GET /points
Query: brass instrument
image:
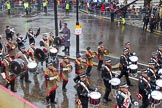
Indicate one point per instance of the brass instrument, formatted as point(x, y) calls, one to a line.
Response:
point(83, 67)
point(94, 53)
point(68, 68)
point(106, 51)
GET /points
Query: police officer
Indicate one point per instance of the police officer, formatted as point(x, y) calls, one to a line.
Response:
point(8, 5)
point(144, 89)
point(26, 6)
point(124, 66)
point(107, 76)
point(52, 77)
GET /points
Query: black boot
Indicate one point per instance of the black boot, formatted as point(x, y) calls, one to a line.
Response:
point(13, 86)
point(52, 97)
point(47, 100)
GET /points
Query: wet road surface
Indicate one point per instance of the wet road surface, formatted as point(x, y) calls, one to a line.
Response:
point(94, 30)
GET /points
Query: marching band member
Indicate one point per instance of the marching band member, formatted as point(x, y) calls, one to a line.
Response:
point(89, 60)
point(107, 75)
point(160, 55)
point(124, 98)
point(31, 50)
point(124, 65)
point(156, 60)
point(11, 48)
point(78, 65)
point(24, 56)
point(100, 55)
point(6, 74)
point(52, 77)
point(83, 87)
point(9, 33)
point(64, 73)
point(20, 40)
point(144, 89)
point(152, 74)
point(30, 34)
point(51, 39)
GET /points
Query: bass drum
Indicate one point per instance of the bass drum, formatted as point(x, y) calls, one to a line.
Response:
point(17, 66)
point(39, 54)
point(58, 41)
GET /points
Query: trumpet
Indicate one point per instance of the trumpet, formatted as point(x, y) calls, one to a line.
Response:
point(106, 51)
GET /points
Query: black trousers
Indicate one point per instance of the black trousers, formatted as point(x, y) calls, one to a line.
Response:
point(145, 102)
point(89, 68)
point(107, 90)
point(84, 101)
point(51, 97)
point(64, 85)
point(26, 10)
point(124, 72)
point(9, 11)
point(99, 64)
point(12, 84)
point(25, 75)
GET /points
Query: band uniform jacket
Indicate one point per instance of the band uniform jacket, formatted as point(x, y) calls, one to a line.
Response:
point(89, 58)
point(50, 41)
point(20, 41)
point(6, 70)
point(144, 87)
point(78, 66)
point(123, 63)
point(64, 73)
point(30, 52)
point(24, 56)
point(66, 35)
point(51, 85)
point(45, 43)
point(107, 75)
point(100, 53)
point(11, 48)
point(160, 58)
point(124, 100)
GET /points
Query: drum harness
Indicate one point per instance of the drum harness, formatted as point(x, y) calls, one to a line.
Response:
point(108, 71)
point(82, 83)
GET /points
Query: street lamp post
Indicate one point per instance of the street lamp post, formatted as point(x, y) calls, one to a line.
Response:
point(55, 15)
point(77, 23)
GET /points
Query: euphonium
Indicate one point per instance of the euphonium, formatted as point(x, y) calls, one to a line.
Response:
point(68, 68)
point(106, 51)
point(94, 53)
point(83, 67)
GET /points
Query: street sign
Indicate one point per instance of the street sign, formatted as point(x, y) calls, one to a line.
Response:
point(78, 29)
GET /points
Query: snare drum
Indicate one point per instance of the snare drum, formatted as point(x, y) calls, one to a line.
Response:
point(32, 66)
point(53, 52)
point(159, 83)
point(95, 98)
point(133, 59)
point(115, 83)
point(17, 66)
point(156, 96)
point(133, 68)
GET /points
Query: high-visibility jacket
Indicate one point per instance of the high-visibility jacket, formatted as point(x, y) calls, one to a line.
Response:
point(67, 6)
point(26, 5)
point(123, 20)
point(45, 4)
point(8, 6)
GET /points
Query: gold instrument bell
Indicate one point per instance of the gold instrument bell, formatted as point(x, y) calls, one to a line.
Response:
point(94, 53)
point(68, 68)
point(106, 51)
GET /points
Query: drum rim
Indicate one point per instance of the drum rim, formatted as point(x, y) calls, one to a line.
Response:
point(92, 94)
point(133, 66)
point(156, 93)
point(158, 82)
point(53, 50)
point(133, 57)
point(117, 79)
point(32, 63)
